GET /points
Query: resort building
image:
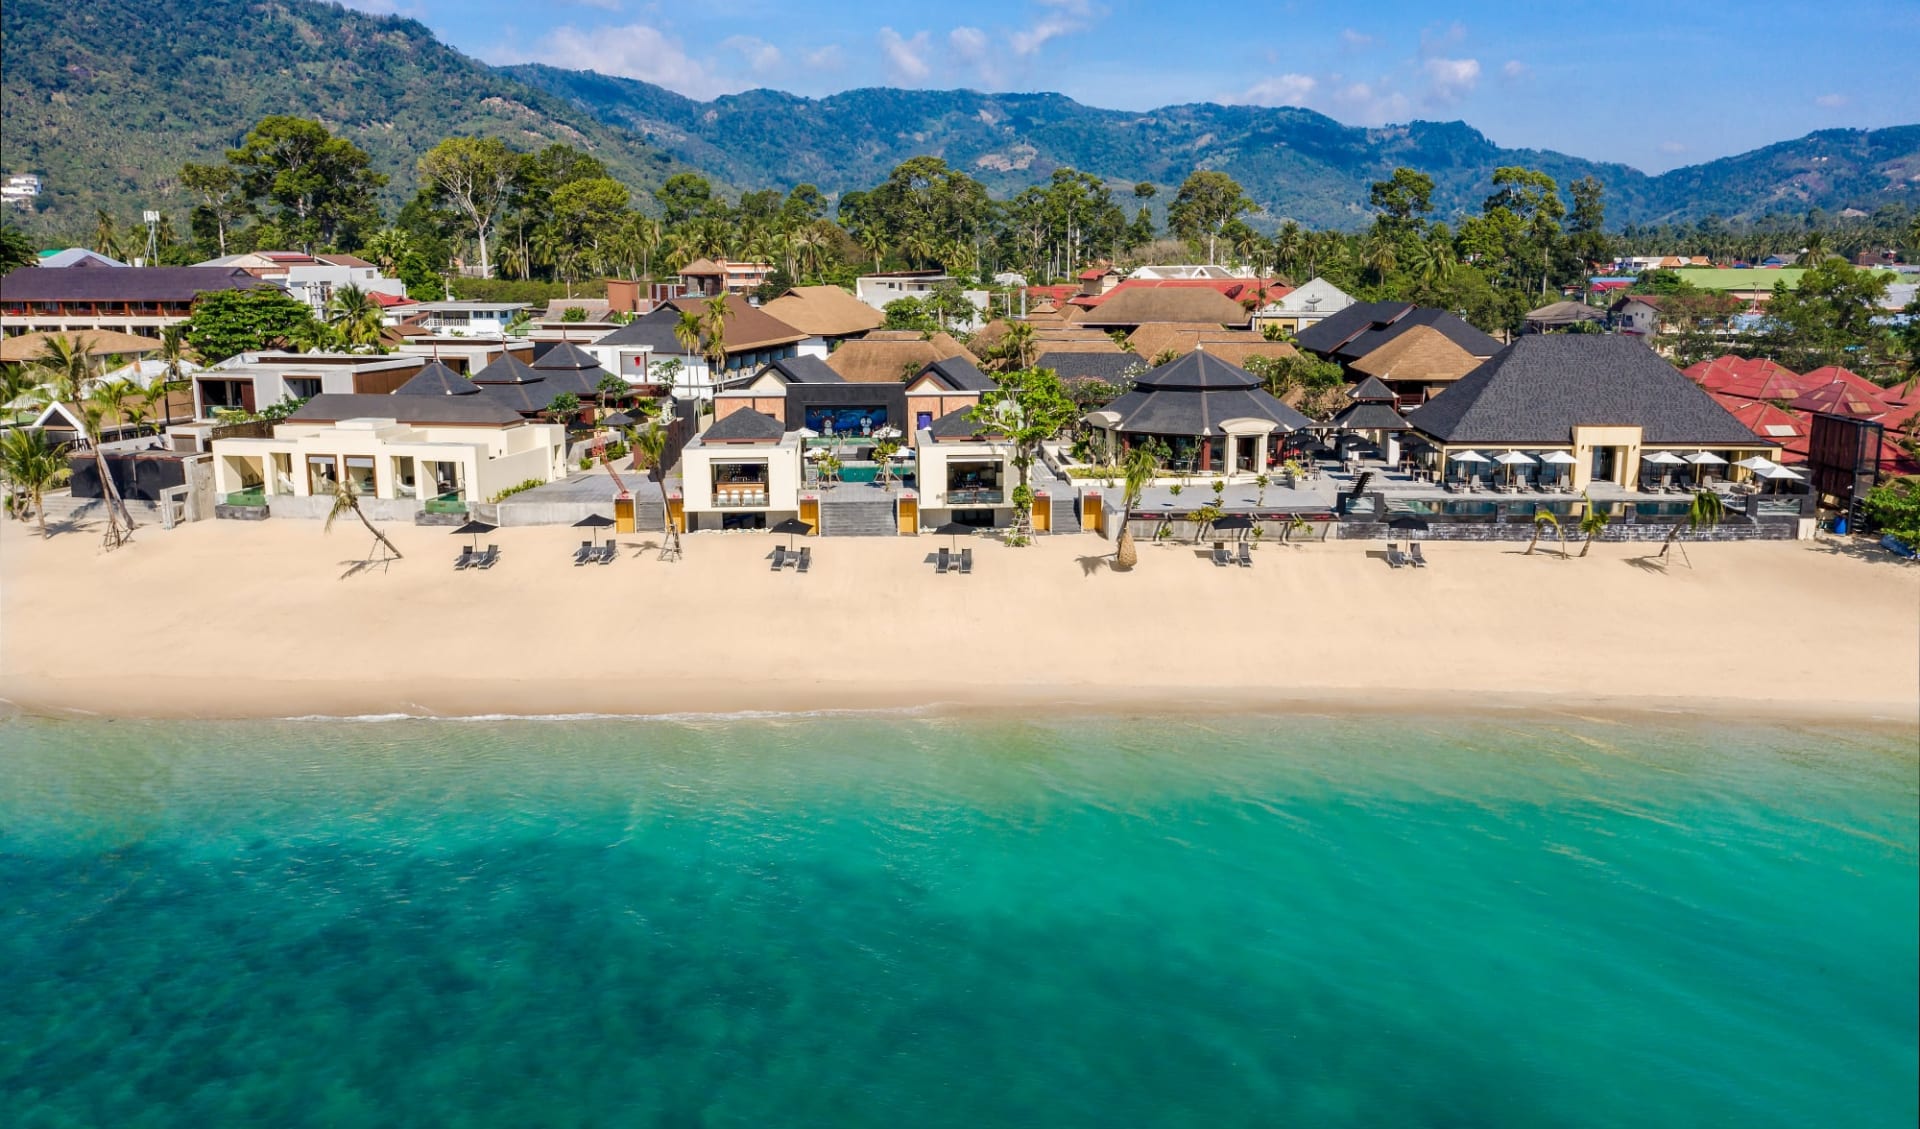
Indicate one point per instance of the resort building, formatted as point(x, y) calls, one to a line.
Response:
point(402, 455)
point(877, 290)
point(942, 388)
point(1443, 346)
point(464, 354)
point(962, 475)
point(467, 319)
point(751, 340)
point(530, 389)
point(252, 382)
point(136, 300)
point(313, 279)
point(768, 392)
point(744, 472)
point(1133, 304)
point(1110, 367)
point(889, 356)
point(1607, 402)
point(1211, 417)
point(1302, 307)
point(828, 316)
point(705, 278)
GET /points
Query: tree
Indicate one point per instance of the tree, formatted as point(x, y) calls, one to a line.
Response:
point(355, 317)
point(1206, 202)
point(713, 323)
point(223, 200)
point(563, 408)
point(321, 186)
point(106, 237)
point(1587, 223)
point(1014, 350)
point(346, 501)
point(31, 466)
point(1593, 522)
point(477, 175)
point(15, 250)
point(583, 215)
point(226, 323)
point(649, 457)
point(1706, 511)
point(68, 376)
point(684, 197)
point(1028, 408)
point(1139, 467)
point(1402, 200)
point(908, 313)
point(1828, 319)
point(1542, 519)
point(1894, 507)
point(1526, 209)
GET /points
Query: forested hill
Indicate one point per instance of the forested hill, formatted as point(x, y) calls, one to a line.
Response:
point(107, 98)
point(1295, 163)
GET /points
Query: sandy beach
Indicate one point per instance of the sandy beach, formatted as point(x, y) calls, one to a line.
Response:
point(277, 619)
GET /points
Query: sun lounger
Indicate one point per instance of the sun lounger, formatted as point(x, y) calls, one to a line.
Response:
point(586, 552)
point(779, 558)
point(942, 562)
point(1395, 558)
point(966, 562)
point(487, 559)
point(1419, 559)
point(466, 558)
point(1246, 555)
point(1220, 558)
point(806, 559)
point(607, 552)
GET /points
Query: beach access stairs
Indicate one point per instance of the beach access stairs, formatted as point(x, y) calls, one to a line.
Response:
point(857, 509)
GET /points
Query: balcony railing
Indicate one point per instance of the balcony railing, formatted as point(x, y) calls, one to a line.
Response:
point(974, 496)
point(739, 497)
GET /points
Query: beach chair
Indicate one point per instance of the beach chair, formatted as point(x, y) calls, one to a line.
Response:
point(488, 558)
point(1246, 555)
point(466, 558)
point(1418, 558)
point(805, 561)
point(1220, 558)
point(584, 553)
point(1395, 558)
point(779, 558)
point(608, 551)
point(942, 562)
point(966, 562)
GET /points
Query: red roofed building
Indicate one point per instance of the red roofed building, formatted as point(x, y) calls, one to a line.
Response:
point(1251, 293)
point(1775, 425)
point(1842, 399)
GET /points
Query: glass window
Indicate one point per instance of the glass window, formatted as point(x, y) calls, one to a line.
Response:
point(303, 387)
point(323, 474)
point(360, 474)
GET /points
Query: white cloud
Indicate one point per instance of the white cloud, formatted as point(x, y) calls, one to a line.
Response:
point(1832, 101)
point(1449, 80)
point(1436, 39)
point(907, 58)
point(969, 42)
point(1281, 90)
point(760, 54)
point(1357, 40)
point(825, 58)
point(633, 51)
point(1071, 16)
point(603, 5)
point(1514, 69)
point(1673, 148)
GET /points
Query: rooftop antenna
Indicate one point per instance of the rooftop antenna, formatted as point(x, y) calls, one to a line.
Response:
point(152, 219)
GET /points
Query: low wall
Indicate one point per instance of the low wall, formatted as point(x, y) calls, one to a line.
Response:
point(1737, 530)
point(318, 507)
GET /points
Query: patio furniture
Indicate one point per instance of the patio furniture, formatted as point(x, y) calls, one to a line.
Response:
point(966, 562)
point(585, 553)
point(1246, 555)
point(608, 551)
point(1419, 559)
point(1395, 558)
point(806, 559)
point(942, 562)
point(488, 558)
point(779, 558)
point(466, 557)
point(1220, 558)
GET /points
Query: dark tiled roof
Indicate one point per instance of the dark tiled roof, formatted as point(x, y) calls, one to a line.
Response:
point(329, 407)
point(1192, 411)
point(1371, 390)
point(960, 375)
point(1365, 326)
point(1198, 370)
point(805, 370)
point(566, 355)
point(745, 424)
point(508, 369)
point(1367, 415)
point(1545, 385)
point(1109, 367)
point(122, 284)
point(437, 380)
point(956, 424)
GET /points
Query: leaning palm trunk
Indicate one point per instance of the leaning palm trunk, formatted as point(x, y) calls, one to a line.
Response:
point(344, 500)
point(1125, 555)
point(119, 520)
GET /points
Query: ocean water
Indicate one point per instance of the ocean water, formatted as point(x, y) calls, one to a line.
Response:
point(910, 921)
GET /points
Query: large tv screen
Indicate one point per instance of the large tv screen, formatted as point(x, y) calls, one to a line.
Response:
point(857, 420)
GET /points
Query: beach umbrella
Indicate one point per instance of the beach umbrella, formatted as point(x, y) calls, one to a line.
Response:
point(1756, 462)
point(792, 527)
point(1234, 522)
point(953, 529)
point(619, 419)
point(595, 521)
point(1408, 521)
point(475, 528)
point(1701, 459)
point(1513, 461)
point(1469, 457)
point(1663, 460)
point(1559, 459)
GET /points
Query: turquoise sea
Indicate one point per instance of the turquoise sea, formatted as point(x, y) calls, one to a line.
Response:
point(916, 921)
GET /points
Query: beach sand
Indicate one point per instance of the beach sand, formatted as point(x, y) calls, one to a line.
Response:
point(276, 619)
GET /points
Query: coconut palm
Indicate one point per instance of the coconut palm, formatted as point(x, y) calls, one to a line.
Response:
point(1542, 519)
point(649, 458)
point(713, 322)
point(355, 316)
point(1139, 468)
point(1706, 511)
point(31, 466)
point(388, 248)
point(688, 331)
point(68, 376)
point(346, 501)
point(1593, 523)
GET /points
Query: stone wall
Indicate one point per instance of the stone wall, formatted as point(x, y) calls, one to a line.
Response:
point(1739, 529)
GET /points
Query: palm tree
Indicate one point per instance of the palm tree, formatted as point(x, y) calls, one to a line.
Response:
point(714, 323)
point(355, 316)
point(31, 466)
point(312, 336)
point(649, 457)
point(1139, 468)
point(388, 248)
point(1593, 523)
point(1541, 520)
point(688, 331)
point(1014, 349)
point(346, 501)
point(1707, 510)
point(69, 376)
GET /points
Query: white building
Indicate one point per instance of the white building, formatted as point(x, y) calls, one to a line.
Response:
point(743, 473)
point(313, 279)
point(468, 319)
point(1303, 307)
point(20, 190)
point(877, 290)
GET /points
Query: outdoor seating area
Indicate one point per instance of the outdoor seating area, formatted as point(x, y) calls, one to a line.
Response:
point(468, 558)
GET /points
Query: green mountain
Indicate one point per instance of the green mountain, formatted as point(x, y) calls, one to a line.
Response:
point(107, 98)
point(1295, 163)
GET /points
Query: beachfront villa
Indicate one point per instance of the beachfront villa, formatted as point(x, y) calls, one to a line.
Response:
point(254, 381)
point(963, 476)
point(1211, 416)
point(944, 387)
point(743, 472)
point(402, 454)
point(530, 388)
point(1583, 409)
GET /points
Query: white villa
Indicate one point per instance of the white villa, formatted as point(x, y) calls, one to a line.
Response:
point(963, 476)
point(744, 472)
point(1302, 307)
point(467, 319)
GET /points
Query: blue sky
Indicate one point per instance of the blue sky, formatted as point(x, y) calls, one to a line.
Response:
point(1651, 84)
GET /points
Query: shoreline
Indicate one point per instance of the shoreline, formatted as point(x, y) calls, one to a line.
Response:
point(233, 621)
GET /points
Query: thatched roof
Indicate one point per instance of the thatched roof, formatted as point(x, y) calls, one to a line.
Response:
point(1421, 353)
point(824, 311)
point(1230, 345)
point(97, 343)
point(1194, 305)
point(885, 356)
